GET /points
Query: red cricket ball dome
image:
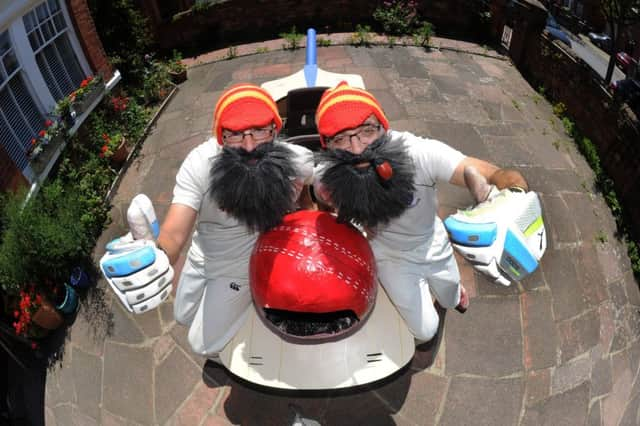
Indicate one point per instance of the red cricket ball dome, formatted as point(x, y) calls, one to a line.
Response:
point(313, 277)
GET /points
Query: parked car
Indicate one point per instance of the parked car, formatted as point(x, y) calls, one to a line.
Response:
point(603, 41)
point(628, 91)
point(625, 61)
point(556, 32)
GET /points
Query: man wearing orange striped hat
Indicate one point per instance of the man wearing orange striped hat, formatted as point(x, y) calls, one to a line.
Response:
point(233, 186)
point(385, 181)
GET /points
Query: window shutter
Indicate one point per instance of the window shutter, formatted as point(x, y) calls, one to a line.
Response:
point(20, 120)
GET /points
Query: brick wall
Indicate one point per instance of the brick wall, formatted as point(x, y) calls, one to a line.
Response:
point(11, 177)
point(615, 131)
point(238, 21)
point(89, 39)
point(249, 20)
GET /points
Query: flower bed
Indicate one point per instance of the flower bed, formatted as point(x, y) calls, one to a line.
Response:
point(43, 241)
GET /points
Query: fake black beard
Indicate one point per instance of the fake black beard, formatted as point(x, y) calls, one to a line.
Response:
point(360, 194)
point(254, 187)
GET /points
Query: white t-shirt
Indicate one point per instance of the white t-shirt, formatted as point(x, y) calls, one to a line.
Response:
point(221, 245)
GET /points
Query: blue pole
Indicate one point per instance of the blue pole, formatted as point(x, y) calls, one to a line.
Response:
point(311, 47)
point(311, 67)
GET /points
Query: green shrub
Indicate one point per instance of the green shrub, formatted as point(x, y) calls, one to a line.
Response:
point(175, 63)
point(422, 36)
point(126, 49)
point(391, 41)
point(156, 83)
point(232, 52)
point(362, 36)
point(397, 17)
point(292, 38)
point(323, 42)
point(91, 180)
point(569, 126)
point(42, 240)
point(559, 109)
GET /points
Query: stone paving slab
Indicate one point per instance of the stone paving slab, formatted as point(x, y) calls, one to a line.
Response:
point(560, 348)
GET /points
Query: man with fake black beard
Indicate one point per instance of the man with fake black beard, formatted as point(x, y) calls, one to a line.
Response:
point(385, 181)
point(232, 187)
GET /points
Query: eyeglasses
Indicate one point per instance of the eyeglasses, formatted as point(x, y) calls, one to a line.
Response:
point(259, 134)
point(365, 134)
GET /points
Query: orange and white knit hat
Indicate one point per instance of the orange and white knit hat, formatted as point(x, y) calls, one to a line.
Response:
point(345, 107)
point(242, 107)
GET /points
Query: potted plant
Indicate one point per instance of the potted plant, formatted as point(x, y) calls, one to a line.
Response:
point(177, 68)
point(33, 314)
point(52, 131)
point(66, 112)
point(90, 89)
point(41, 243)
point(114, 148)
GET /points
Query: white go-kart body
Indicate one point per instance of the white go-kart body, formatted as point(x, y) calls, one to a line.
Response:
point(379, 348)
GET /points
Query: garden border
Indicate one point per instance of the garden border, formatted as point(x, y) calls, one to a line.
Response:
point(337, 39)
point(125, 166)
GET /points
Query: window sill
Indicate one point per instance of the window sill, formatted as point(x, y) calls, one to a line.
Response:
point(39, 169)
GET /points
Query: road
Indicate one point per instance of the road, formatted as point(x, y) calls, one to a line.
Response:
point(594, 57)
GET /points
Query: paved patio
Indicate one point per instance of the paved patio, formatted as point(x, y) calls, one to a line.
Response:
point(560, 348)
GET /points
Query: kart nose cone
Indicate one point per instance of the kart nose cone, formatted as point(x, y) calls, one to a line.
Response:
point(312, 277)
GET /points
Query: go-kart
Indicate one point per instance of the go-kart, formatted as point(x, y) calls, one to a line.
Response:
point(345, 331)
point(379, 344)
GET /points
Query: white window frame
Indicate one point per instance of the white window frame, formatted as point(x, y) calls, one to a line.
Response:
point(26, 57)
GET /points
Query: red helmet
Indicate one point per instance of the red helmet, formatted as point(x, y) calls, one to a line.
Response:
point(312, 277)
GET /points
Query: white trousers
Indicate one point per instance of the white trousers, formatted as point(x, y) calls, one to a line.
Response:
point(410, 287)
point(214, 309)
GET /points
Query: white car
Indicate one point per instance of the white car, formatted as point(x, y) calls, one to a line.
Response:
point(603, 41)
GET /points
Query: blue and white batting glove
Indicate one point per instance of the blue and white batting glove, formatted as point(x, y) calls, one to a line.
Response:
point(503, 237)
point(138, 271)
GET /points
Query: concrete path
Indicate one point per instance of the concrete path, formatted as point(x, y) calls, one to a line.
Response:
point(560, 348)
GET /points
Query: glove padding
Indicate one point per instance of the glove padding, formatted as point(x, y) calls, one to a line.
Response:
point(138, 272)
point(503, 237)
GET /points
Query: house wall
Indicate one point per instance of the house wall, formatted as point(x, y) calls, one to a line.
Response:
point(10, 175)
point(89, 39)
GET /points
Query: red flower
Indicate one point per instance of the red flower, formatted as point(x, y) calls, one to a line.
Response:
point(84, 83)
point(29, 303)
point(34, 141)
point(119, 103)
point(104, 149)
point(48, 123)
point(42, 133)
point(34, 345)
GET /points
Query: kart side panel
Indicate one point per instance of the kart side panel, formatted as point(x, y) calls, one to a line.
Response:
point(379, 348)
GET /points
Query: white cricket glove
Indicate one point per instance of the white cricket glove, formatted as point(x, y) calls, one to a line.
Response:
point(503, 237)
point(136, 269)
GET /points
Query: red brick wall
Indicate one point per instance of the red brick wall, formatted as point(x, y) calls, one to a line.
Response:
point(10, 177)
point(614, 131)
point(89, 39)
point(237, 21)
